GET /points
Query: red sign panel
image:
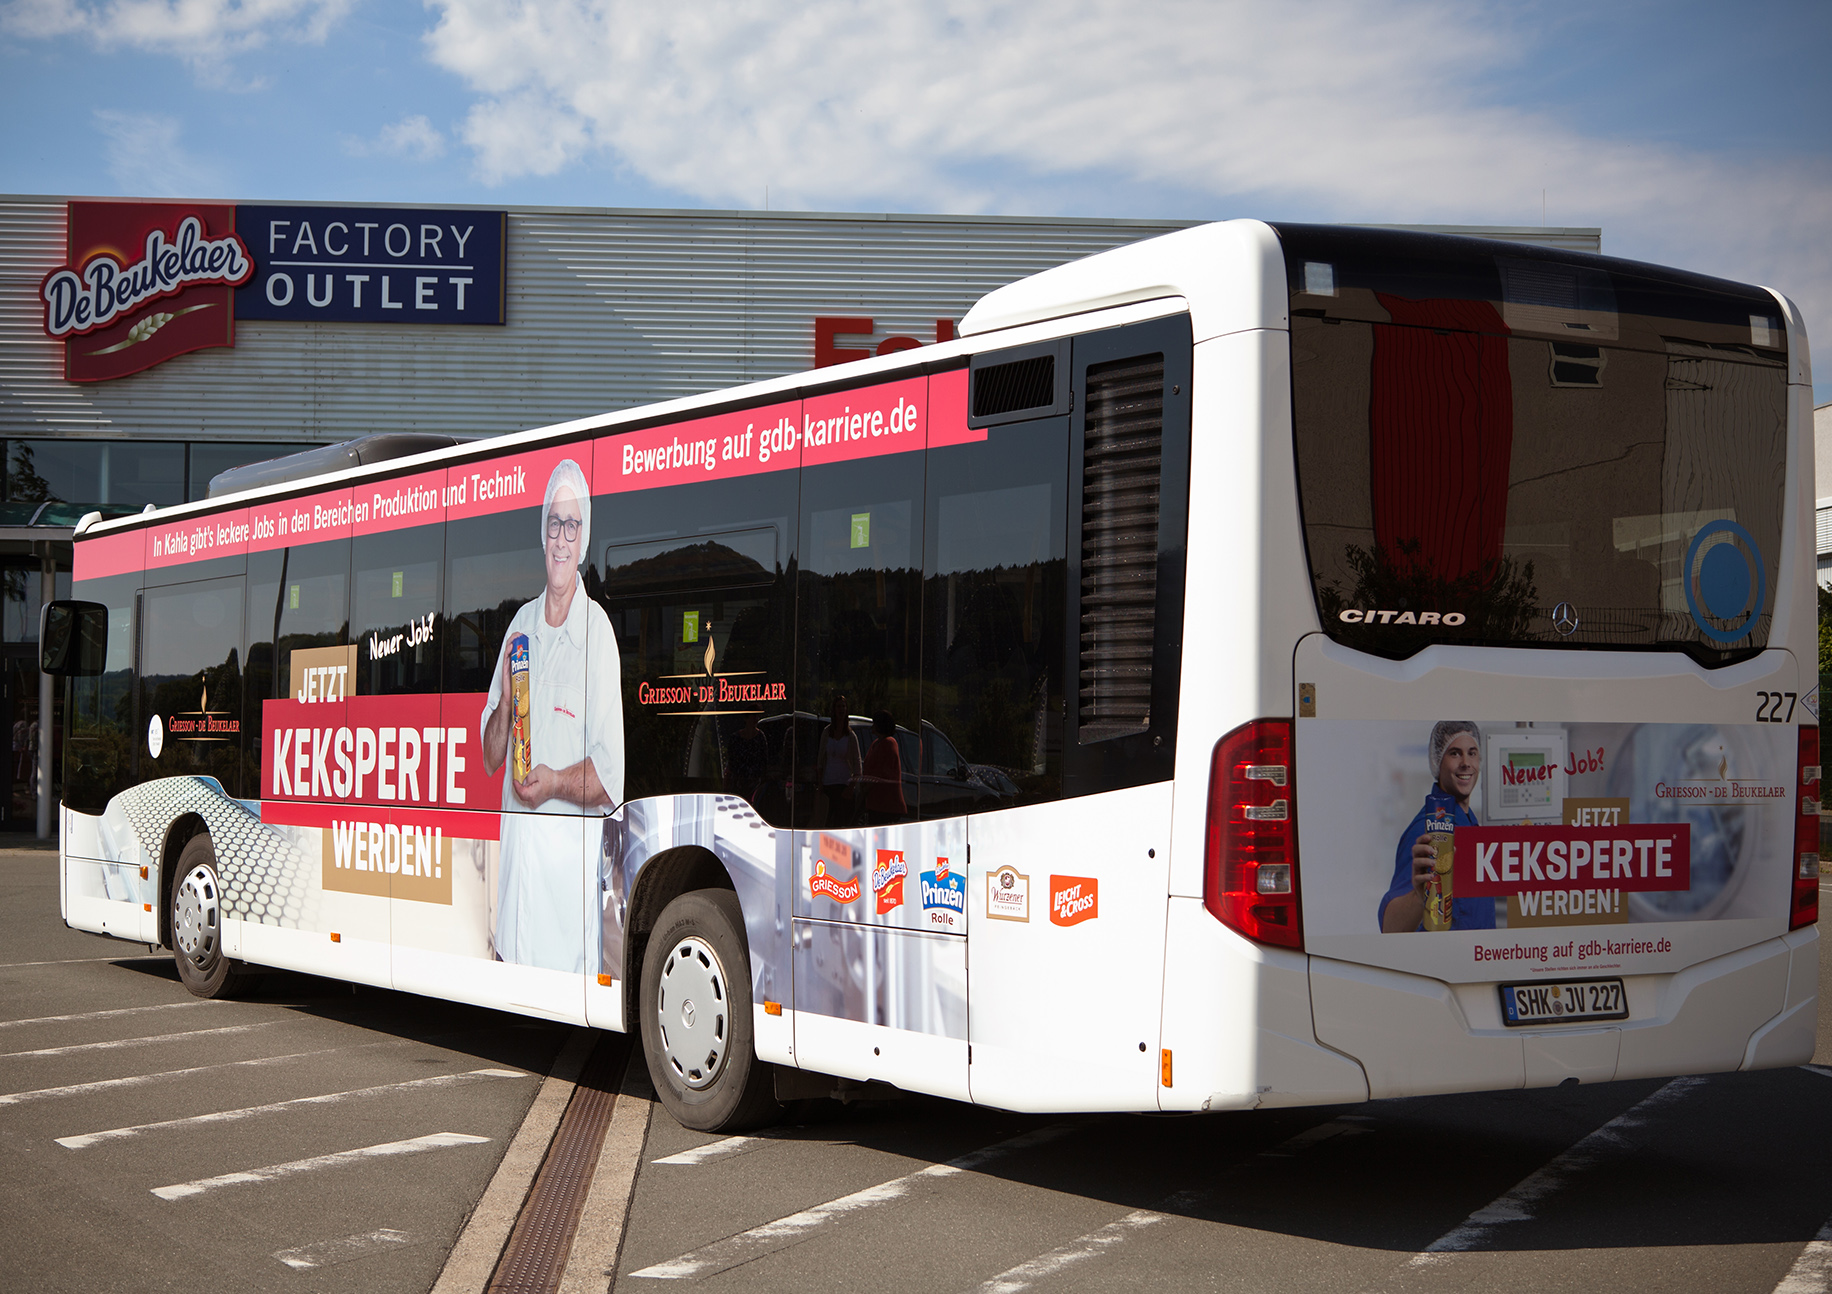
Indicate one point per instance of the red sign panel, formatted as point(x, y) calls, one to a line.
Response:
point(143, 282)
point(1499, 861)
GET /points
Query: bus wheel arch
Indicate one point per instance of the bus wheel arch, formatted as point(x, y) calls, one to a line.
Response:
point(181, 831)
point(195, 912)
point(660, 881)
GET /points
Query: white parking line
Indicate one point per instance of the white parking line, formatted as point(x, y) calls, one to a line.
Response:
point(722, 1255)
point(120, 1043)
point(104, 1015)
point(1516, 1204)
point(328, 1253)
point(84, 1140)
point(1821, 1070)
point(1812, 1271)
point(273, 1172)
point(1026, 1274)
point(710, 1151)
point(1311, 1136)
point(77, 961)
point(135, 1080)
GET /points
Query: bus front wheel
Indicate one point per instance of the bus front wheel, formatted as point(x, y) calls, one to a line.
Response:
point(695, 1009)
point(197, 924)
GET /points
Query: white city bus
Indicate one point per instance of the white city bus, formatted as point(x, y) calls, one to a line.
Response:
point(1264, 665)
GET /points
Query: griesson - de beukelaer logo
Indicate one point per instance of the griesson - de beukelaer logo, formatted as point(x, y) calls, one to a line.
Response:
point(142, 283)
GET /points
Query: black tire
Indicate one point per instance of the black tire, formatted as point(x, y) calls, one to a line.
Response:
point(197, 924)
point(695, 1012)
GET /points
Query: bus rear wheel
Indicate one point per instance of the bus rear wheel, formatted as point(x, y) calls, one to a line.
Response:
point(695, 1006)
point(197, 924)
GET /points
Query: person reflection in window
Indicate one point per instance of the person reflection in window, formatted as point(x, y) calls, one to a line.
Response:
point(884, 802)
point(575, 740)
point(750, 759)
point(839, 766)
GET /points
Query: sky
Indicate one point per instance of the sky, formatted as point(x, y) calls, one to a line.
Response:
point(1693, 134)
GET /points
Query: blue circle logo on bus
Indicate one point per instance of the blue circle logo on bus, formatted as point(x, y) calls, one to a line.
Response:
point(1725, 579)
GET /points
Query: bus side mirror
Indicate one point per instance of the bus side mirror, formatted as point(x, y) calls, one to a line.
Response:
point(73, 639)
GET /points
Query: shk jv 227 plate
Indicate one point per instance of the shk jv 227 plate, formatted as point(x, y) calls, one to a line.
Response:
point(1563, 1002)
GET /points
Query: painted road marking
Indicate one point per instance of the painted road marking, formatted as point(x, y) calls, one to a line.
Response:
point(1812, 1271)
point(135, 1080)
point(1517, 1203)
point(84, 1140)
point(723, 1255)
point(105, 1015)
point(1821, 1070)
point(1026, 1274)
point(712, 1150)
point(328, 1253)
point(120, 1043)
point(292, 1168)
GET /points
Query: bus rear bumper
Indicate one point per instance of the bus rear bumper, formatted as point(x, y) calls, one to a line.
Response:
point(1751, 1009)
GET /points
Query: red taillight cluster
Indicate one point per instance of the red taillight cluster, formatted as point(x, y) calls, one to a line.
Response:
point(1805, 910)
point(1250, 865)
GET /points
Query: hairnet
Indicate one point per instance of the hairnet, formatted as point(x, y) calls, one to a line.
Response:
point(1441, 733)
point(569, 474)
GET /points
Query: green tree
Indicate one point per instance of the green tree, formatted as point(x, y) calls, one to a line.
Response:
point(1825, 630)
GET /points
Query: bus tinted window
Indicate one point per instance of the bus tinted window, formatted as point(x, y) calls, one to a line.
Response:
point(702, 612)
point(1615, 481)
point(99, 750)
point(493, 564)
point(191, 681)
point(994, 598)
point(858, 639)
point(394, 611)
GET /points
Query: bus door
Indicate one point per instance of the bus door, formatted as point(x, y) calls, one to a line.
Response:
point(878, 908)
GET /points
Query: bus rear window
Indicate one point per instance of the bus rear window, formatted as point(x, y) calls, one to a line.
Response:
point(1536, 454)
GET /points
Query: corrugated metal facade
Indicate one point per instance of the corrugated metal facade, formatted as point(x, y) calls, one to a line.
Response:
point(606, 309)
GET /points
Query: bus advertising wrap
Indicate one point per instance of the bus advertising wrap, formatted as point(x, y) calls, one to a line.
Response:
point(1542, 848)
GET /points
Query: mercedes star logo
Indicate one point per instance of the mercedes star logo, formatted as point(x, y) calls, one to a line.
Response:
point(1565, 618)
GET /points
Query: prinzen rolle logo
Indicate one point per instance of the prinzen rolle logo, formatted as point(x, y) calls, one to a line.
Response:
point(78, 302)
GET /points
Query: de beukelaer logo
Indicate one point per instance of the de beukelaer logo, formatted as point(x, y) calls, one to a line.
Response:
point(104, 289)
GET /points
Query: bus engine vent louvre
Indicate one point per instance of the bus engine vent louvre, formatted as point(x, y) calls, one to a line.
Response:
point(1008, 388)
point(1122, 465)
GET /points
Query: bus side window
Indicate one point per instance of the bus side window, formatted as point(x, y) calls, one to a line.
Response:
point(191, 680)
point(395, 609)
point(298, 601)
point(995, 597)
point(101, 743)
point(493, 565)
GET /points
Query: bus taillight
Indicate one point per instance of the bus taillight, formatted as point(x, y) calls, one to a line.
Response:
point(1250, 865)
point(1805, 910)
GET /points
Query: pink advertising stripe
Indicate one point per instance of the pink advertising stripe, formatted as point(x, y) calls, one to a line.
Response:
point(197, 539)
point(867, 421)
point(721, 447)
point(107, 555)
point(400, 502)
point(948, 411)
point(512, 481)
point(311, 519)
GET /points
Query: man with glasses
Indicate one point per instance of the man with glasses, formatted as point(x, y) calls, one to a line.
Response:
point(575, 739)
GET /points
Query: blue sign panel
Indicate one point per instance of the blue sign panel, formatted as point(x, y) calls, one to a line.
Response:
point(392, 265)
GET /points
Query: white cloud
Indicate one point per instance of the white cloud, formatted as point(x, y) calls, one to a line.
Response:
point(144, 155)
point(1348, 111)
point(411, 137)
point(203, 33)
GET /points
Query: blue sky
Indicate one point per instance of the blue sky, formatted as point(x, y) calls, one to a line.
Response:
point(1694, 134)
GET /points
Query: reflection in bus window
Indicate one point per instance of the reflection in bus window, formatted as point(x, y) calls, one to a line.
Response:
point(394, 611)
point(994, 595)
point(191, 680)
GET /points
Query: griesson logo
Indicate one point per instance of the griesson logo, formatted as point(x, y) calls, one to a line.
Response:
point(1074, 899)
point(822, 885)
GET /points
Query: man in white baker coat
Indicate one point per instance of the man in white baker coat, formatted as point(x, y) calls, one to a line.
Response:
point(575, 722)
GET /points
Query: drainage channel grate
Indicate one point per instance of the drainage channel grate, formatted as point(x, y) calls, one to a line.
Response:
point(535, 1258)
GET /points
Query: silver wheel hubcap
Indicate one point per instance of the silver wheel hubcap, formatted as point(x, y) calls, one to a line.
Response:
point(196, 916)
point(691, 1008)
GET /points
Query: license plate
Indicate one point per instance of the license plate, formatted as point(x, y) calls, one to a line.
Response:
point(1563, 1001)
